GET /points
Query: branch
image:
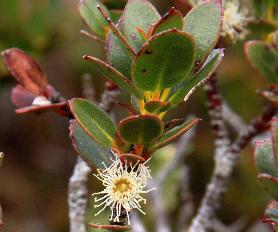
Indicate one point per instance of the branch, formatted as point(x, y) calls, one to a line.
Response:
point(161, 217)
point(225, 163)
point(77, 198)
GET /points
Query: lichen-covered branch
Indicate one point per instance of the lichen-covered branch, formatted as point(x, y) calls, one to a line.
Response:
point(78, 194)
point(225, 160)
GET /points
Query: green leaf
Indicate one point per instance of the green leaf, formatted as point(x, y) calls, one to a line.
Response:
point(115, 76)
point(172, 19)
point(183, 90)
point(264, 159)
point(263, 58)
point(203, 22)
point(117, 53)
point(90, 151)
point(91, 16)
point(138, 14)
point(140, 129)
point(173, 134)
point(94, 121)
point(270, 184)
point(166, 59)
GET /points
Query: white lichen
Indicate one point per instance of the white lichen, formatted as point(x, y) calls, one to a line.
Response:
point(124, 185)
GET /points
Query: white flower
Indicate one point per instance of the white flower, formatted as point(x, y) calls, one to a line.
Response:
point(234, 21)
point(123, 186)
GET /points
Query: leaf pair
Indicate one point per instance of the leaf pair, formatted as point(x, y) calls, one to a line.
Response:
point(165, 55)
point(93, 133)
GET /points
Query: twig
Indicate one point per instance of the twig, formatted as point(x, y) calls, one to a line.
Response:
point(225, 163)
point(77, 198)
point(78, 191)
point(210, 202)
point(108, 99)
point(161, 217)
point(232, 118)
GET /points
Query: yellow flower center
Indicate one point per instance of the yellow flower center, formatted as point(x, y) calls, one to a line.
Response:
point(122, 186)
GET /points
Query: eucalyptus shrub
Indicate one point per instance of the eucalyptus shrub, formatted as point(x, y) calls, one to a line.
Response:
point(159, 61)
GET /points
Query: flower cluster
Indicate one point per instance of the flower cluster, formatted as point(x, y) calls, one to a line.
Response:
point(124, 183)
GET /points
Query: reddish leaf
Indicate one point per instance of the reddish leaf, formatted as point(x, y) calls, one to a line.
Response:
point(26, 70)
point(22, 97)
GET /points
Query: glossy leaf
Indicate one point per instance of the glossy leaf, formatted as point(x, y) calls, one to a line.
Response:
point(203, 22)
point(172, 19)
point(173, 134)
point(25, 70)
point(265, 159)
point(166, 59)
point(91, 16)
point(140, 129)
point(117, 53)
point(138, 14)
point(186, 88)
point(274, 137)
point(90, 151)
point(94, 121)
point(115, 76)
point(263, 58)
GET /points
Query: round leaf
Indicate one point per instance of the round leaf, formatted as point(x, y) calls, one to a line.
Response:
point(165, 60)
point(141, 129)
